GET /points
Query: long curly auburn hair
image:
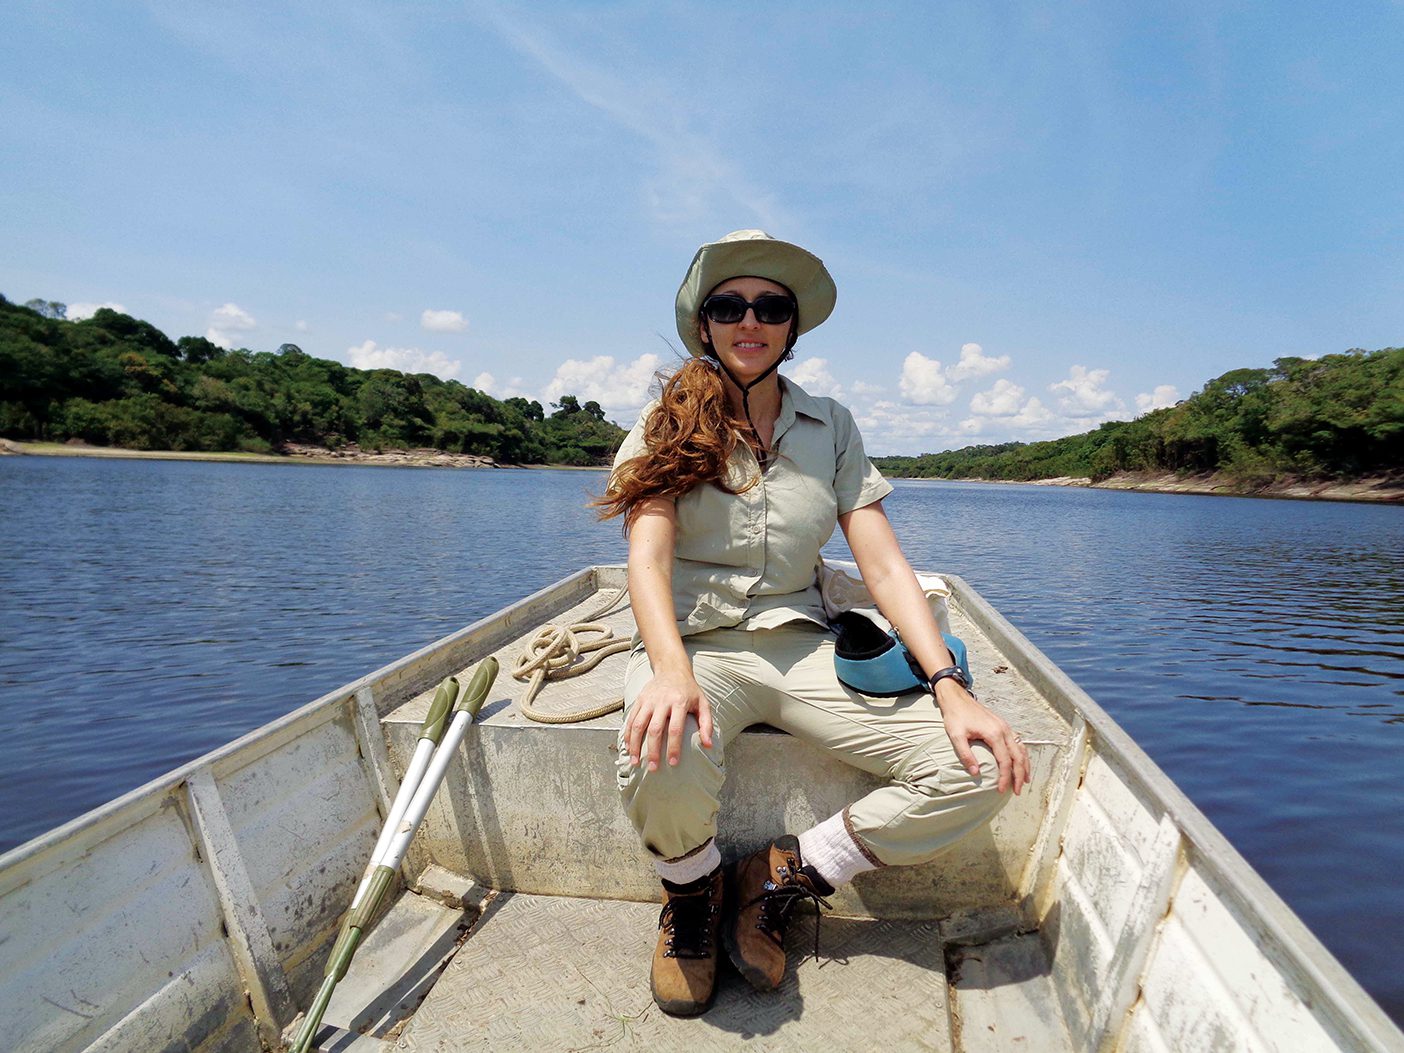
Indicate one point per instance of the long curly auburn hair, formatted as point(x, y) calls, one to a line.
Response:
point(690, 436)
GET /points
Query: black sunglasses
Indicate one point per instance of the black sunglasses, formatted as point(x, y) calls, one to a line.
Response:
point(730, 308)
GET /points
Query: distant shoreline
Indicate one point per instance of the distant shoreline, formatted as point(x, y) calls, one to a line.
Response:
point(1370, 490)
point(350, 455)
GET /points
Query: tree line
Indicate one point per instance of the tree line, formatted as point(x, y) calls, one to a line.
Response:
point(1336, 417)
point(114, 380)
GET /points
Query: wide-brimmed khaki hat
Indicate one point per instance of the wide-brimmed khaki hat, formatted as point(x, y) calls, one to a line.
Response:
point(754, 254)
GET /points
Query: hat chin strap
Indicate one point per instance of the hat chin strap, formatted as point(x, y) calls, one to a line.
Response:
point(764, 456)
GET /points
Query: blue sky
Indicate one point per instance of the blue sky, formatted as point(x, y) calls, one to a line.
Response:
point(1039, 216)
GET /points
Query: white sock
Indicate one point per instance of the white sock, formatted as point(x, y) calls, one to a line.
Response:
point(691, 868)
point(830, 849)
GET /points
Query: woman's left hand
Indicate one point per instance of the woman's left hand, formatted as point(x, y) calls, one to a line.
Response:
point(967, 721)
point(899, 596)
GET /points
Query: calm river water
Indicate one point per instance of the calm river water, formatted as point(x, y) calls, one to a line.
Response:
point(150, 611)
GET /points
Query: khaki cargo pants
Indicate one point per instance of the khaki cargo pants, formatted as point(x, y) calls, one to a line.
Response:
point(785, 677)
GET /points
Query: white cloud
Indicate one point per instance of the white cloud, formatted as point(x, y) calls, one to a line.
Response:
point(1164, 395)
point(227, 323)
point(1004, 410)
point(370, 355)
point(443, 321)
point(813, 375)
point(1034, 414)
point(975, 363)
point(78, 311)
point(514, 388)
point(1002, 400)
point(890, 427)
point(621, 389)
point(920, 422)
point(1084, 396)
point(999, 413)
point(391, 316)
point(301, 326)
point(887, 417)
point(924, 382)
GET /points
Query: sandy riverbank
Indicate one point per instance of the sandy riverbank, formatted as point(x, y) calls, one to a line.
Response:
point(1378, 489)
point(425, 458)
point(1375, 489)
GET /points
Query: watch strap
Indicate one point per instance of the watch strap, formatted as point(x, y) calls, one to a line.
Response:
point(953, 672)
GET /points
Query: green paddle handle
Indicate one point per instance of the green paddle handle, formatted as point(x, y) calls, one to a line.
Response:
point(437, 720)
point(314, 1017)
point(357, 921)
point(477, 690)
point(380, 883)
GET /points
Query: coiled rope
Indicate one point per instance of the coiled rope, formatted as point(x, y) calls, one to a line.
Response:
point(552, 655)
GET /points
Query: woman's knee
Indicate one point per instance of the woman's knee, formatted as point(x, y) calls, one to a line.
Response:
point(674, 808)
point(932, 803)
point(937, 771)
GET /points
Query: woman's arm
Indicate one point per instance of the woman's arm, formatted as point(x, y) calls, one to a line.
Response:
point(666, 700)
point(899, 596)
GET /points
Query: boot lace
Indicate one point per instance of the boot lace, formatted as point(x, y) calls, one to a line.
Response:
point(688, 919)
point(778, 900)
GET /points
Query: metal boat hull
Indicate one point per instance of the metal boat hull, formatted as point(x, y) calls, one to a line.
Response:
point(195, 912)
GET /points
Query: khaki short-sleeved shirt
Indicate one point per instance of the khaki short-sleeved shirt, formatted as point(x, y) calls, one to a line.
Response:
point(750, 560)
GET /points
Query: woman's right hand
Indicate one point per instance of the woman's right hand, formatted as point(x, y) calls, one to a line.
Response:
point(661, 709)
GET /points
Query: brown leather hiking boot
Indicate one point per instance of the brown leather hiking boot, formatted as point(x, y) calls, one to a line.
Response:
point(684, 975)
point(765, 887)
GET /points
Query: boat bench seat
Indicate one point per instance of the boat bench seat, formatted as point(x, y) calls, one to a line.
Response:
point(531, 807)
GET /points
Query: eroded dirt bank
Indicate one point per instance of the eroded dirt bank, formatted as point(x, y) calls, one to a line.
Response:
point(1384, 489)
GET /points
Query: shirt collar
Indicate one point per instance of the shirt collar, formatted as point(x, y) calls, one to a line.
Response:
point(793, 400)
point(796, 400)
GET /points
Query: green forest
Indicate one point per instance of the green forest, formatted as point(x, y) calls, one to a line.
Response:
point(1335, 417)
point(114, 380)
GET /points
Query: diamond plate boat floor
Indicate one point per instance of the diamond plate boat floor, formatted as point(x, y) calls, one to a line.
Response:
point(546, 972)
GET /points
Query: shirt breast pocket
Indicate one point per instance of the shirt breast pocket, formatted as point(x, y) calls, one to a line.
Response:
point(712, 526)
point(802, 514)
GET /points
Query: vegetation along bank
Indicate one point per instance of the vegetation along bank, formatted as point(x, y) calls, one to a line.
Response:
point(113, 380)
point(1322, 427)
point(1327, 427)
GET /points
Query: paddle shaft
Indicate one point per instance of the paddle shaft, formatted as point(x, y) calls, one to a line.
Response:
point(386, 859)
point(430, 734)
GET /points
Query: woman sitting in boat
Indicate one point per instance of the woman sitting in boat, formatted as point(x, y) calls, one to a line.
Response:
point(729, 486)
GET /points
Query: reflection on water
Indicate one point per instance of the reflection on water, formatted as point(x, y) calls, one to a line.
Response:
point(1255, 649)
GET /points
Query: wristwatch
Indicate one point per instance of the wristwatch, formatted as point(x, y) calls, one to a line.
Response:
point(954, 672)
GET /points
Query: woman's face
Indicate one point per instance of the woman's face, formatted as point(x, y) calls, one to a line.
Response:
point(748, 347)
